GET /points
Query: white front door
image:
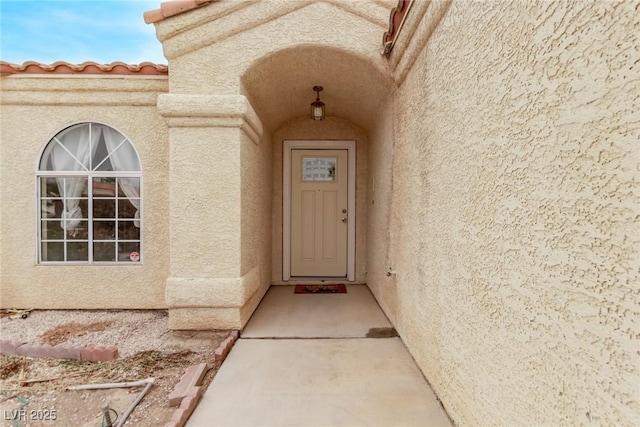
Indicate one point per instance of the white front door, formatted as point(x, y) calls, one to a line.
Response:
point(319, 213)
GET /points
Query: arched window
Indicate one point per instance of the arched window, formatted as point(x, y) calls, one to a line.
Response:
point(89, 181)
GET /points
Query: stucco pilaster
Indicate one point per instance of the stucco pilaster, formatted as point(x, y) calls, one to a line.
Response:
point(206, 133)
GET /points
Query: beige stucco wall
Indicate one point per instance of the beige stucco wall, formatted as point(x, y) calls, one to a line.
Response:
point(514, 222)
point(256, 205)
point(332, 128)
point(216, 272)
point(380, 211)
point(34, 109)
point(499, 183)
point(233, 47)
point(255, 52)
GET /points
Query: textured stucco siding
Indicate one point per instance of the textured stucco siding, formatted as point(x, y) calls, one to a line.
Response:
point(256, 187)
point(231, 42)
point(255, 52)
point(259, 51)
point(206, 192)
point(277, 51)
point(498, 184)
point(380, 211)
point(515, 220)
point(34, 109)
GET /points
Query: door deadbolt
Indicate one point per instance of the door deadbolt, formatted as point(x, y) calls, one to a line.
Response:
point(344, 211)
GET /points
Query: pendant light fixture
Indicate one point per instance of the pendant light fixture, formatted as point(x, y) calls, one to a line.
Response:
point(317, 106)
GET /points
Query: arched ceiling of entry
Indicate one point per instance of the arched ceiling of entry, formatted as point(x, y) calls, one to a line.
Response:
point(280, 85)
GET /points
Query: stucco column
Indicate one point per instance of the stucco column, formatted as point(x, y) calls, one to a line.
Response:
point(206, 288)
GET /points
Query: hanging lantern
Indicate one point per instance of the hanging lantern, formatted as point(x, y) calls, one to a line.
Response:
point(317, 106)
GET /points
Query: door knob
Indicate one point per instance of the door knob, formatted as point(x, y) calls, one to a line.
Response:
point(344, 219)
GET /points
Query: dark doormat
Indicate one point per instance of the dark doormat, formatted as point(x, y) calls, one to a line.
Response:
point(320, 289)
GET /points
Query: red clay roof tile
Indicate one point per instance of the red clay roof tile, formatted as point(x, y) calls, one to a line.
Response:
point(167, 9)
point(395, 19)
point(60, 67)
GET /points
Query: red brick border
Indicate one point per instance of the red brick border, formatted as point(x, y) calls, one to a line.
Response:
point(224, 348)
point(186, 392)
point(9, 346)
point(184, 411)
point(90, 353)
point(99, 353)
point(192, 377)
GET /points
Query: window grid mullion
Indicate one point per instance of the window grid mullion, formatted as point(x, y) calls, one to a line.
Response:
point(64, 221)
point(71, 154)
point(115, 217)
point(140, 223)
point(40, 223)
point(90, 147)
point(90, 219)
point(108, 156)
point(101, 174)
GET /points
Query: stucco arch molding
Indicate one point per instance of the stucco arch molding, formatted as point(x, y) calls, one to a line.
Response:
point(230, 111)
point(218, 21)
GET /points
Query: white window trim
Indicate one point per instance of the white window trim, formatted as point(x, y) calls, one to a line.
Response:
point(43, 173)
point(288, 147)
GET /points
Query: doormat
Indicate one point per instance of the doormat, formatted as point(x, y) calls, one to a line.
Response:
point(320, 289)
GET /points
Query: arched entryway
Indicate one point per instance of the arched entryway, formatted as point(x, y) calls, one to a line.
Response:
point(240, 84)
point(280, 88)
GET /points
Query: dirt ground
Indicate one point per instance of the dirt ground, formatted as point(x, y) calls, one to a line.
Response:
point(33, 392)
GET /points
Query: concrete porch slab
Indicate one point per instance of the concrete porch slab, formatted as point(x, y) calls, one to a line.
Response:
point(283, 314)
point(319, 382)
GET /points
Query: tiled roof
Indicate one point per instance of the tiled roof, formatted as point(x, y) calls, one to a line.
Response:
point(167, 9)
point(395, 20)
point(115, 68)
point(171, 8)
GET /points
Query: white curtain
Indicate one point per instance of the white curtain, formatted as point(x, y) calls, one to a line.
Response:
point(73, 152)
point(124, 159)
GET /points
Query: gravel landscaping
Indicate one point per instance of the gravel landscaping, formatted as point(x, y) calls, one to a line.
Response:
point(146, 348)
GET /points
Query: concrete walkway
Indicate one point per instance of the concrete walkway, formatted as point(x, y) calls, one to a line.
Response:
point(305, 360)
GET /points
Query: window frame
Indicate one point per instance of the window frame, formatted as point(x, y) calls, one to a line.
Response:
point(89, 175)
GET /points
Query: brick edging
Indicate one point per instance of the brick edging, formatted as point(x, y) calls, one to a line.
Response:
point(224, 348)
point(187, 392)
point(90, 353)
point(190, 398)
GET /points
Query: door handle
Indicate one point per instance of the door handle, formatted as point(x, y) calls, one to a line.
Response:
point(344, 220)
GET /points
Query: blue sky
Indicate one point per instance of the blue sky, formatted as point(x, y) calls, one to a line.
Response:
point(103, 31)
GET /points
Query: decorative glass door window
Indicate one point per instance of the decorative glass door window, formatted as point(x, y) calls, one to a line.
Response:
point(319, 168)
point(89, 190)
